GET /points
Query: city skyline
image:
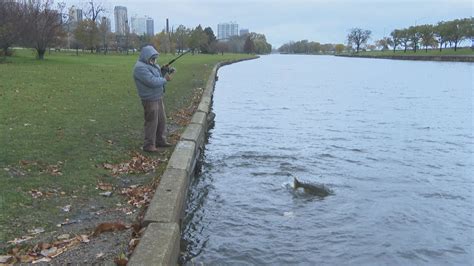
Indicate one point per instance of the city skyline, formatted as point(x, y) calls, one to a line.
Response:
point(281, 22)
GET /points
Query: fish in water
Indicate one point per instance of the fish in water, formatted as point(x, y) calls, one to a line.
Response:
point(314, 189)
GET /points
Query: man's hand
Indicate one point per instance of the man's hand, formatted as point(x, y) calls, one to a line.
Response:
point(168, 77)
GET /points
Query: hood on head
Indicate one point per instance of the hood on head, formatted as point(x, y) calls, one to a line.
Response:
point(147, 53)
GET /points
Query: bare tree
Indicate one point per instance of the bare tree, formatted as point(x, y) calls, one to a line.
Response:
point(95, 10)
point(358, 37)
point(43, 24)
point(10, 31)
point(93, 13)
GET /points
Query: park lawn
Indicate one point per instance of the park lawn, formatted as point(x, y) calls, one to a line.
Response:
point(62, 118)
point(421, 52)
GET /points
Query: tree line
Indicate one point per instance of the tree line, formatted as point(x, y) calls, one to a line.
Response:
point(42, 25)
point(204, 41)
point(443, 34)
point(307, 47)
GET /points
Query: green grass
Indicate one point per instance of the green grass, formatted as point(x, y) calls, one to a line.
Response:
point(421, 52)
point(65, 111)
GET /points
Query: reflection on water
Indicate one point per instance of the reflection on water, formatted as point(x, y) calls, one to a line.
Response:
point(392, 139)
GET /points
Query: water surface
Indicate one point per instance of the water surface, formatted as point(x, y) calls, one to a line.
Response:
point(393, 140)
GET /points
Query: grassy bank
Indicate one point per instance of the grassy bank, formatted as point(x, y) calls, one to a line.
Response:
point(63, 118)
point(422, 52)
point(462, 54)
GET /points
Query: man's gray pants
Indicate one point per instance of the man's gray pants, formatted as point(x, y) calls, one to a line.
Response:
point(155, 123)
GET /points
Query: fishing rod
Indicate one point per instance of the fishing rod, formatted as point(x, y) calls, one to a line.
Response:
point(166, 69)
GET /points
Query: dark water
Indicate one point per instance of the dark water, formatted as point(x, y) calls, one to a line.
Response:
point(393, 140)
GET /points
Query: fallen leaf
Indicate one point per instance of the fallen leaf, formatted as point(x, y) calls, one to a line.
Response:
point(45, 246)
point(99, 255)
point(54, 169)
point(138, 196)
point(36, 193)
point(107, 166)
point(59, 252)
point(134, 242)
point(15, 251)
point(26, 258)
point(137, 164)
point(49, 252)
point(45, 259)
point(36, 231)
point(17, 241)
point(104, 186)
point(66, 208)
point(121, 262)
point(63, 237)
point(6, 259)
point(84, 238)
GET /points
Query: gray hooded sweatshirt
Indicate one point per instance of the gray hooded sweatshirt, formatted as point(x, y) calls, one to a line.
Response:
point(148, 77)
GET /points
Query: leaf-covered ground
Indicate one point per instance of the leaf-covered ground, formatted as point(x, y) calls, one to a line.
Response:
point(70, 158)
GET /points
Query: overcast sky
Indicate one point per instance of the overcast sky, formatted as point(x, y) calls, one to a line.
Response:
point(324, 21)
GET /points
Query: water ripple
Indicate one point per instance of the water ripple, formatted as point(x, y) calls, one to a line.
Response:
point(397, 154)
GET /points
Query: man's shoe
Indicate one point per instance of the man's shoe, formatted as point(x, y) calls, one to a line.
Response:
point(152, 149)
point(164, 145)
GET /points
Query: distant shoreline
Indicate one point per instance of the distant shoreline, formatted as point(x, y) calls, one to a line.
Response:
point(445, 58)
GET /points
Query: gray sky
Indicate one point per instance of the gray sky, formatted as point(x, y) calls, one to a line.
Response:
point(325, 21)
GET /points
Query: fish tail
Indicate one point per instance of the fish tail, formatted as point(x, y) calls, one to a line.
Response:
point(297, 183)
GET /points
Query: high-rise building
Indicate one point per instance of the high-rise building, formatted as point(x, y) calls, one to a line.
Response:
point(75, 16)
point(121, 20)
point(244, 32)
point(107, 22)
point(226, 30)
point(138, 25)
point(150, 27)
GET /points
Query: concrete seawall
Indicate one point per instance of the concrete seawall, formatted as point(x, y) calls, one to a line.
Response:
point(160, 243)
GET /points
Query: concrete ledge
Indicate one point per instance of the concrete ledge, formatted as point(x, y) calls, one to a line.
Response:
point(167, 206)
point(212, 78)
point(159, 245)
point(183, 156)
point(208, 92)
point(205, 105)
point(199, 118)
point(195, 133)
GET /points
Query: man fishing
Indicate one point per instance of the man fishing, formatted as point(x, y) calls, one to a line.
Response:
point(150, 82)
